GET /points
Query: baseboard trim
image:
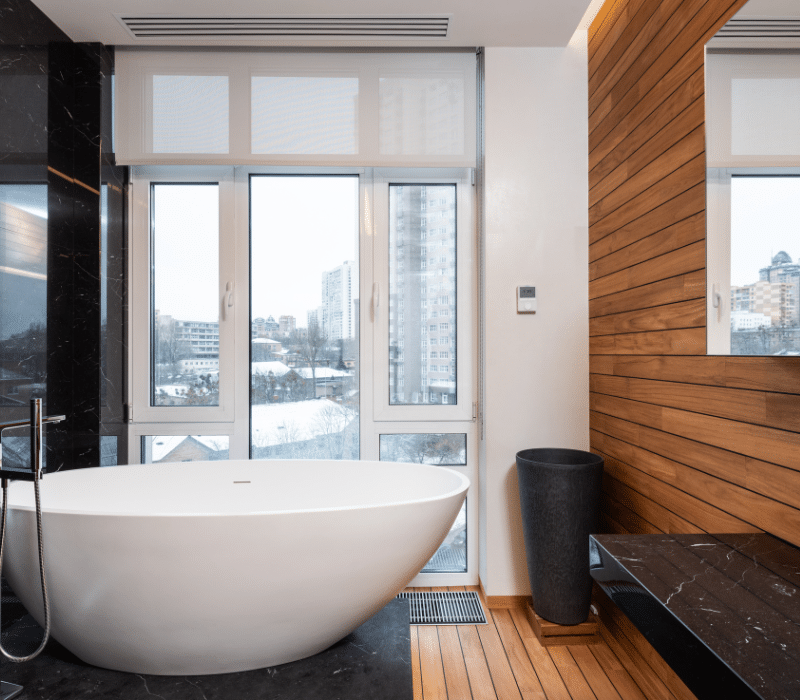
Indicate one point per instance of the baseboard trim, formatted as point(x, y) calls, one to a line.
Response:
point(503, 601)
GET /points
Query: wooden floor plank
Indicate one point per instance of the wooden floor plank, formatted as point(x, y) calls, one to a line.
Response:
point(503, 678)
point(504, 661)
point(455, 670)
point(549, 677)
point(521, 666)
point(573, 678)
point(430, 662)
point(616, 672)
point(480, 680)
point(416, 678)
point(594, 674)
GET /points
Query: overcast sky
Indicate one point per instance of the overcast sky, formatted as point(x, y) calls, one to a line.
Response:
point(765, 219)
point(301, 226)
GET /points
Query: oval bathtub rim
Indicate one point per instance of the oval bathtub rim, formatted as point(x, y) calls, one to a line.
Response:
point(463, 488)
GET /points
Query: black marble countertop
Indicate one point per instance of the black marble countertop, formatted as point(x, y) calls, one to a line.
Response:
point(738, 595)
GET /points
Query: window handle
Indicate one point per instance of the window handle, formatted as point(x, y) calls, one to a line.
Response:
point(376, 299)
point(227, 300)
point(716, 301)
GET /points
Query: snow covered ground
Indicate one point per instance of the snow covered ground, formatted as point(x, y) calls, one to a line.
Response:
point(282, 423)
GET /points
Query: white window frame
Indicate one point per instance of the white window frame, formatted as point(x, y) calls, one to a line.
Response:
point(141, 410)
point(465, 297)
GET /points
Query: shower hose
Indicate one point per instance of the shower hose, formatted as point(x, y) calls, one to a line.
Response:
point(11, 657)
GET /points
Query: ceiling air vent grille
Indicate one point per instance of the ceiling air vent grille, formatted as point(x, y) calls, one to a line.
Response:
point(760, 28)
point(164, 28)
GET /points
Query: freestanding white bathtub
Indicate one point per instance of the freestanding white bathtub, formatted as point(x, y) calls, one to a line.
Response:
point(215, 567)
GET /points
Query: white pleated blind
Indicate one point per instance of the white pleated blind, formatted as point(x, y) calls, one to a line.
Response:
point(753, 109)
point(243, 107)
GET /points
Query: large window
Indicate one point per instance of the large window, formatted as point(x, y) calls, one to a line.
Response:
point(304, 388)
point(306, 314)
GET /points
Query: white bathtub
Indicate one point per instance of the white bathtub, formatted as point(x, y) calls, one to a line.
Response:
point(177, 569)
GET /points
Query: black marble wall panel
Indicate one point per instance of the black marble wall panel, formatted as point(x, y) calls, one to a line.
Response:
point(73, 262)
point(85, 262)
point(24, 24)
point(55, 124)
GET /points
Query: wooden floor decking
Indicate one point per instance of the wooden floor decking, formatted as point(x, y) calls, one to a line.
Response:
point(504, 661)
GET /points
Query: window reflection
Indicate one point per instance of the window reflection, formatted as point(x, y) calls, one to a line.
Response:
point(765, 269)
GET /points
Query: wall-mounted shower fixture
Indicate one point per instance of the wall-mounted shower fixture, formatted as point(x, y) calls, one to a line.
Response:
point(37, 421)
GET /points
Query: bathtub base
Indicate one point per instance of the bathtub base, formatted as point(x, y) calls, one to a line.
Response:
point(372, 662)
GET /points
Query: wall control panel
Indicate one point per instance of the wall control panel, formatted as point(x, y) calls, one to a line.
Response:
point(526, 300)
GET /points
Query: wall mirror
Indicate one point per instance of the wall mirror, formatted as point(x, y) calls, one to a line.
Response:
point(753, 181)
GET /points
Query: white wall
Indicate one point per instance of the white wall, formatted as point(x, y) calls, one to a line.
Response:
point(536, 366)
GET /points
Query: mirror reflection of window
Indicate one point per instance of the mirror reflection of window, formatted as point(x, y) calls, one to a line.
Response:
point(765, 270)
point(752, 95)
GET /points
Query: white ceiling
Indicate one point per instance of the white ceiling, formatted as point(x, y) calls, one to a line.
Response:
point(783, 33)
point(770, 8)
point(472, 23)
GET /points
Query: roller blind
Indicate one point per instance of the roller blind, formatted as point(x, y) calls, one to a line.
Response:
point(753, 109)
point(316, 108)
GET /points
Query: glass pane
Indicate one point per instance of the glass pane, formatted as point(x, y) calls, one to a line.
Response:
point(23, 304)
point(304, 366)
point(185, 294)
point(184, 448)
point(765, 269)
point(190, 114)
point(451, 557)
point(295, 115)
point(441, 449)
point(422, 294)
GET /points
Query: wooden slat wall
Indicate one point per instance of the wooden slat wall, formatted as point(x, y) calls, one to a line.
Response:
point(692, 443)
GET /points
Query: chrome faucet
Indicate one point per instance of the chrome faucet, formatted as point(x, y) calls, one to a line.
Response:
point(36, 422)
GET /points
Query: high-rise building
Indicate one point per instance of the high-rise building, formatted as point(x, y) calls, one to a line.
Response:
point(314, 317)
point(422, 303)
point(771, 299)
point(338, 310)
point(784, 271)
point(286, 325)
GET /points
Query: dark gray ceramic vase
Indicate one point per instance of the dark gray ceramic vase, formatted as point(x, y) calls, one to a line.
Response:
point(559, 492)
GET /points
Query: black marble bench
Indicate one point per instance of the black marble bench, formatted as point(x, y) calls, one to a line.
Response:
point(722, 610)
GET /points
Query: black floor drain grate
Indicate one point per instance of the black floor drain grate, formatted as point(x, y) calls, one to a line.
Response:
point(445, 608)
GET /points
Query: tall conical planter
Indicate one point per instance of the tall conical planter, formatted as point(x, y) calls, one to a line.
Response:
point(559, 492)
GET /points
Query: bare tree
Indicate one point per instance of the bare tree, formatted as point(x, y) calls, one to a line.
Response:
point(311, 347)
point(170, 348)
point(426, 448)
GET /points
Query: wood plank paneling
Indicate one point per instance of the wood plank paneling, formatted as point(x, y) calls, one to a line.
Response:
point(685, 314)
point(671, 264)
point(692, 443)
point(672, 238)
point(687, 341)
point(684, 206)
point(682, 288)
point(650, 138)
point(634, 180)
